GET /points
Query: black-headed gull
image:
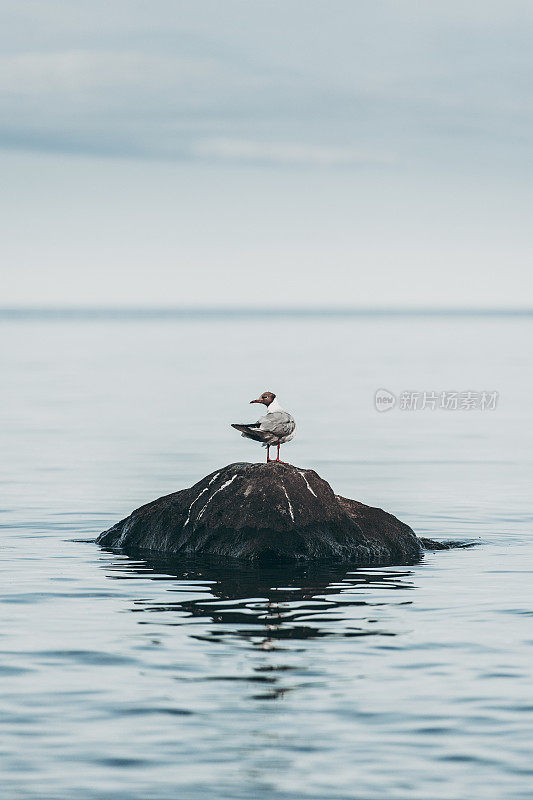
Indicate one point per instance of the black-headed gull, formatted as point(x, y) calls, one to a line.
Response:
point(275, 428)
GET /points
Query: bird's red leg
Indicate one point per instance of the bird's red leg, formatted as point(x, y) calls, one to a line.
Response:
point(278, 458)
point(268, 453)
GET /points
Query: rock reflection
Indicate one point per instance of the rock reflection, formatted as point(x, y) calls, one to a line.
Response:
point(266, 607)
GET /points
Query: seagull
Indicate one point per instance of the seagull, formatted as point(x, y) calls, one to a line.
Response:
point(275, 428)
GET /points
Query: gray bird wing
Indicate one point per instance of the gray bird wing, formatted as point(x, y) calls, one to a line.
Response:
point(278, 423)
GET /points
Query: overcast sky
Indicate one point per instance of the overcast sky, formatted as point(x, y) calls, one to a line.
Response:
point(293, 153)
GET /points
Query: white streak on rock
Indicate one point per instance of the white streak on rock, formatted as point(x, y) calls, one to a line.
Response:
point(191, 505)
point(307, 483)
point(215, 476)
point(289, 502)
point(226, 483)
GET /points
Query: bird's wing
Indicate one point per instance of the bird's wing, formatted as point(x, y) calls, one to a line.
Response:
point(278, 423)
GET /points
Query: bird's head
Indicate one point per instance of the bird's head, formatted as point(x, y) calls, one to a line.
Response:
point(266, 398)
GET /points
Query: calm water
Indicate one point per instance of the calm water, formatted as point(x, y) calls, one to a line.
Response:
point(143, 679)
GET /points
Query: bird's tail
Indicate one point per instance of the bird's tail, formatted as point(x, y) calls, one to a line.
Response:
point(250, 431)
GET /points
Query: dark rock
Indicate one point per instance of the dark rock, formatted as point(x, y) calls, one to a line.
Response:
point(432, 544)
point(266, 513)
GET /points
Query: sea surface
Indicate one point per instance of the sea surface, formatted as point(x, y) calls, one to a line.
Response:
point(147, 679)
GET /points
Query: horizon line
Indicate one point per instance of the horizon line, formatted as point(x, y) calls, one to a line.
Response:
point(169, 312)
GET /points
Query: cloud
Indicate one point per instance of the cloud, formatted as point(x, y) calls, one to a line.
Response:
point(145, 103)
point(368, 85)
point(92, 79)
point(103, 101)
point(285, 153)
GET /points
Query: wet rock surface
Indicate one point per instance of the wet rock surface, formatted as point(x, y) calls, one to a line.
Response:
point(266, 513)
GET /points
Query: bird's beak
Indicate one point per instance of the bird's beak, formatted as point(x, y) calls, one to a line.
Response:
point(256, 401)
